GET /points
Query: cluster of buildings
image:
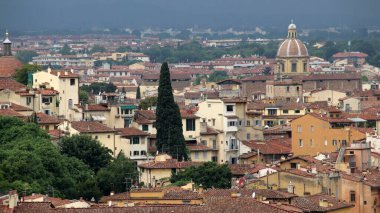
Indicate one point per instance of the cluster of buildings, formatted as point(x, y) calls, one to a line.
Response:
point(299, 134)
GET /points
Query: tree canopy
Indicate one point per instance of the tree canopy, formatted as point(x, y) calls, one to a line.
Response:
point(22, 73)
point(148, 103)
point(208, 174)
point(96, 87)
point(66, 50)
point(98, 49)
point(26, 56)
point(89, 150)
point(31, 163)
point(119, 175)
point(170, 137)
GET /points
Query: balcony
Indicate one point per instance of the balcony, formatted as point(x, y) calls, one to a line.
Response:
point(232, 148)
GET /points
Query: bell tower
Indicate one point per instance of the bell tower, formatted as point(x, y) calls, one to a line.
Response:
point(7, 45)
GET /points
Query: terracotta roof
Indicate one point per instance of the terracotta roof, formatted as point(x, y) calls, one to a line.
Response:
point(131, 131)
point(210, 131)
point(274, 146)
point(148, 114)
point(350, 55)
point(168, 164)
point(95, 107)
point(11, 112)
point(247, 155)
point(299, 172)
point(42, 118)
point(8, 66)
point(188, 114)
point(311, 203)
point(8, 83)
point(48, 92)
point(269, 194)
point(90, 127)
point(242, 169)
point(335, 76)
point(292, 48)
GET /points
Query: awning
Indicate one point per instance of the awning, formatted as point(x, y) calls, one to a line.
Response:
point(128, 107)
point(98, 117)
point(357, 120)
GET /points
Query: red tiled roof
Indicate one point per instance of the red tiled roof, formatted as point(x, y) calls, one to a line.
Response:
point(90, 127)
point(168, 164)
point(350, 54)
point(8, 66)
point(11, 112)
point(312, 203)
point(95, 107)
point(132, 132)
point(274, 146)
point(8, 83)
point(42, 118)
point(210, 131)
point(242, 169)
point(48, 92)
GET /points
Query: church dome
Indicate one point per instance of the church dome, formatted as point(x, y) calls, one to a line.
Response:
point(8, 66)
point(292, 47)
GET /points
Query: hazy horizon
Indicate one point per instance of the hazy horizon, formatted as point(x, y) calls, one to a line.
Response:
point(23, 15)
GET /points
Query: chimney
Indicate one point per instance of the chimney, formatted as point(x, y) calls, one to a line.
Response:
point(203, 126)
point(323, 203)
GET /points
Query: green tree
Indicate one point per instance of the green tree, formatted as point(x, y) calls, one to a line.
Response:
point(148, 103)
point(218, 75)
point(66, 50)
point(98, 49)
point(138, 93)
point(83, 97)
point(169, 121)
point(89, 150)
point(29, 161)
point(22, 73)
point(123, 49)
point(114, 176)
point(26, 56)
point(96, 87)
point(208, 174)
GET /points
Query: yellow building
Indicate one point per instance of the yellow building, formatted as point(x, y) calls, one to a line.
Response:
point(292, 55)
point(316, 133)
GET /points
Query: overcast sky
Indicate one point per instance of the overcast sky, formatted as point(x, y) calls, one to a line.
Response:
point(71, 14)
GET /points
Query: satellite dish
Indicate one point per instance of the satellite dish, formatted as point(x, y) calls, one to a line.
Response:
point(253, 194)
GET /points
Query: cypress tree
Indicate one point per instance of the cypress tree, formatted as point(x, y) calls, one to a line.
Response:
point(138, 93)
point(170, 137)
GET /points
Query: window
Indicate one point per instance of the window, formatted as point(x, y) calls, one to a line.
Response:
point(299, 128)
point(344, 143)
point(311, 128)
point(311, 142)
point(298, 89)
point(47, 100)
point(304, 67)
point(293, 165)
point(204, 155)
point(209, 105)
point(257, 122)
point(196, 155)
point(329, 99)
point(248, 123)
point(145, 127)
point(272, 111)
point(28, 100)
point(352, 196)
point(334, 142)
point(204, 142)
point(297, 111)
point(135, 140)
point(72, 81)
point(70, 103)
point(190, 124)
point(231, 123)
point(143, 152)
point(300, 143)
point(108, 136)
point(285, 111)
point(230, 108)
point(213, 122)
point(287, 89)
point(248, 136)
point(135, 153)
point(154, 124)
point(214, 144)
point(96, 137)
point(240, 123)
point(294, 67)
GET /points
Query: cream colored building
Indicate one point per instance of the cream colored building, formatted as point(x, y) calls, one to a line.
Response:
point(331, 96)
point(67, 85)
point(108, 137)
